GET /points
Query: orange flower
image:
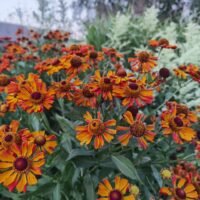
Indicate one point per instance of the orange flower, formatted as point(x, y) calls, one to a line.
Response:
point(179, 72)
point(136, 129)
point(120, 77)
point(163, 43)
point(103, 85)
point(4, 81)
point(44, 143)
point(17, 170)
point(74, 64)
point(96, 129)
point(85, 96)
point(4, 64)
point(119, 192)
point(188, 116)
point(15, 49)
point(113, 54)
point(65, 88)
point(93, 57)
point(50, 65)
point(193, 71)
point(9, 135)
point(78, 49)
point(144, 62)
point(3, 108)
point(34, 96)
point(181, 190)
point(12, 90)
point(173, 123)
point(134, 92)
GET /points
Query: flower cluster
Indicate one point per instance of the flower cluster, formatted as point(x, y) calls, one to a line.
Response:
point(22, 154)
point(125, 108)
point(184, 182)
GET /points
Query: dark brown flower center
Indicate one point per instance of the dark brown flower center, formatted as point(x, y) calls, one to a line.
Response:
point(134, 110)
point(40, 140)
point(4, 80)
point(180, 193)
point(36, 97)
point(164, 72)
point(87, 93)
point(137, 129)
point(106, 80)
point(163, 42)
point(121, 72)
point(115, 195)
point(178, 121)
point(8, 138)
point(143, 56)
point(21, 164)
point(63, 82)
point(56, 62)
point(93, 55)
point(76, 61)
point(198, 134)
point(96, 127)
point(133, 86)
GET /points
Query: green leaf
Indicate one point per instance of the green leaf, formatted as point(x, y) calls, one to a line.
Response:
point(79, 152)
point(65, 124)
point(89, 186)
point(34, 122)
point(57, 192)
point(126, 167)
point(156, 175)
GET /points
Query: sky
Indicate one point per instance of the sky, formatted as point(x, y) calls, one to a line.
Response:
point(8, 10)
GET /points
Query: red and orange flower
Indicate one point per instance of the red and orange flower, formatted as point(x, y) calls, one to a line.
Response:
point(44, 143)
point(66, 88)
point(74, 64)
point(10, 135)
point(162, 43)
point(34, 95)
point(19, 169)
point(50, 65)
point(189, 117)
point(4, 81)
point(173, 123)
point(103, 85)
point(85, 96)
point(120, 191)
point(180, 190)
point(144, 62)
point(13, 90)
point(134, 92)
point(137, 129)
point(95, 129)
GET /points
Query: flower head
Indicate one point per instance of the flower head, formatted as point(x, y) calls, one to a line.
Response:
point(44, 143)
point(162, 43)
point(85, 96)
point(137, 129)
point(134, 93)
point(180, 190)
point(174, 124)
point(34, 95)
point(144, 62)
point(19, 169)
point(103, 85)
point(120, 191)
point(95, 129)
